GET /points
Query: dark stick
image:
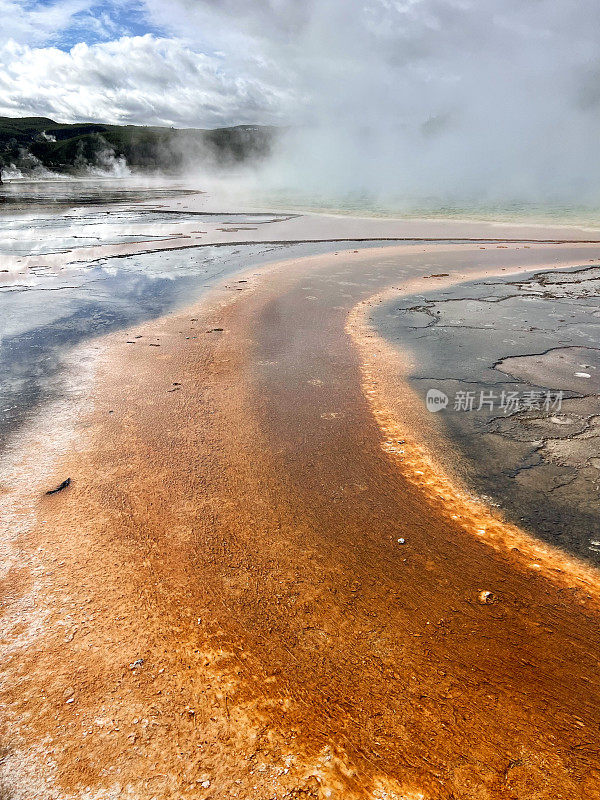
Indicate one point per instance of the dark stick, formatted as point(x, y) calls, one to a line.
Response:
point(62, 486)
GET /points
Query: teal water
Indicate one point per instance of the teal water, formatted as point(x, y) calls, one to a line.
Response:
point(519, 212)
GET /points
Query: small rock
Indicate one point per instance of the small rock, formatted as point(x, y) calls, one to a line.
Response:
point(401, 541)
point(136, 664)
point(486, 598)
point(205, 784)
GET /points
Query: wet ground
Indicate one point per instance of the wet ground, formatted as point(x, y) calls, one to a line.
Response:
point(24, 195)
point(539, 335)
point(48, 307)
point(519, 362)
point(241, 591)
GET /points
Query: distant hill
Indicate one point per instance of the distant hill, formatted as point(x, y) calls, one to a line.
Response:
point(31, 143)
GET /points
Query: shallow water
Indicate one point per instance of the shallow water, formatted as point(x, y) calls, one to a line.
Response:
point(503, 351)
point(44, 233)
point(364, 204)
point(44, 311)
point(24, 195)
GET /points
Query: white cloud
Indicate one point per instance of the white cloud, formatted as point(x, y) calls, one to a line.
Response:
point(37, 24)
point(495, 96)
point(143, 79)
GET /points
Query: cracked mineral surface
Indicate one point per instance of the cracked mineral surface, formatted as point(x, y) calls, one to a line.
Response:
point(534, 338)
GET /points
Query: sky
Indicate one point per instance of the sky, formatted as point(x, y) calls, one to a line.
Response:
point(427, 93)
point(214, 62)
point(129, 62)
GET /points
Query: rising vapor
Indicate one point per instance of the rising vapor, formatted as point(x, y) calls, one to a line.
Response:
point(411, 101)
point(464, 101)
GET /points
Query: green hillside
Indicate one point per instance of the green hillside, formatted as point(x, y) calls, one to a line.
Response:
point(67, 148)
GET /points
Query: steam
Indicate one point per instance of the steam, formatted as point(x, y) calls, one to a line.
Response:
point(424, 101)
point(94, 158)
point(26, 166)
point(415, 103)
point(103, 161)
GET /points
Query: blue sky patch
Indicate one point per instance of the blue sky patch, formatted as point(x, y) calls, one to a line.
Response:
point(99, 22)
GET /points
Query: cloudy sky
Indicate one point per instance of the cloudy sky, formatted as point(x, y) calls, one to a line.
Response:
point(215, 62)
point(413, 93)
point(134, 62)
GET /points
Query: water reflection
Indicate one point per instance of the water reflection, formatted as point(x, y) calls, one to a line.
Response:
point(23, 195)
point(48, 312)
